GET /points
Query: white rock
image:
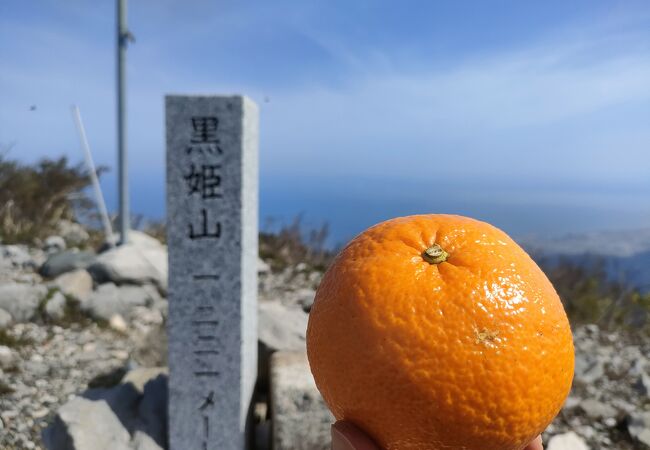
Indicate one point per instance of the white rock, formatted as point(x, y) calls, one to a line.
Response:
point(315, 278)
point(262, 266)
point(597, 410)
point(140, 239)
point(5, 319)
point(146, 315)
point(16, 255)
point(103, 418)
point(21, 300)
point(638, 367)
point(55, 306)
point(281, 327)
point(117, 323)
point(54, 244)
point(623, 405)
point(9, 415)
point(617, 365)
point(305, 298)
point(610, 422)
point(299, 417)
point(301, 267)
point(48, 399)
point(8, 358)
point(87, 425)
point(73, 233)
point(638, 426)
point(586, 431)
point(109, 299)
point(40, 413)
point(136, 238)
point(142, 261)
point(567, 441)
point(642, 385)
point(571, 402)
point(589, 367)
point(77, 284)
point(644, 437)
point(142, 441)
point(120, 354)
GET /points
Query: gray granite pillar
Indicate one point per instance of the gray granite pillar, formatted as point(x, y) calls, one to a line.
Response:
point(212, 192)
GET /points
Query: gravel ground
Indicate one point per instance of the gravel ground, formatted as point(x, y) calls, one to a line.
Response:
point(52, 364)
point(42, 366)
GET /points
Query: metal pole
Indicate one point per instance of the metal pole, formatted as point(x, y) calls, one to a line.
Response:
point(122, 40)
point(99, 198)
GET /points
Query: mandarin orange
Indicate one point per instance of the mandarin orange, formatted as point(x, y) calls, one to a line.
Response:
point(440, 332)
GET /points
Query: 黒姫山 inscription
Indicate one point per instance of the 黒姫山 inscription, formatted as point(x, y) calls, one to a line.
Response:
point(212, 237)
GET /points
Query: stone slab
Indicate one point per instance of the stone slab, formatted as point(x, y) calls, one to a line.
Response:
point(299, 417)
point(212, 191)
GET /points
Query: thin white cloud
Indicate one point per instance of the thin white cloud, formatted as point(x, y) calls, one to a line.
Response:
point(549, 110)
point(534, 112)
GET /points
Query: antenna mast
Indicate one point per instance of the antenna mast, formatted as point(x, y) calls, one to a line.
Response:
point(123, 38)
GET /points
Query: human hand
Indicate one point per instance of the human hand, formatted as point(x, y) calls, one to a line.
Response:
point(345, 436)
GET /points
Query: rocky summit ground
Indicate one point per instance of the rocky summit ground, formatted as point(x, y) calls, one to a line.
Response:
point(82, 343)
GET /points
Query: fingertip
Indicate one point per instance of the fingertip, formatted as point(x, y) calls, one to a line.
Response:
point(346, 436)
point(536, 444)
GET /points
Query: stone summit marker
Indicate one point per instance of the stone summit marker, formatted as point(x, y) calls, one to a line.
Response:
point(212, 236)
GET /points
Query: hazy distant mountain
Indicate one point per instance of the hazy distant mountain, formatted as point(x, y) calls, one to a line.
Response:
point(624, 254)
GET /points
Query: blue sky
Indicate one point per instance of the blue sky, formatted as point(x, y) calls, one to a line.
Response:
point(531, 115)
